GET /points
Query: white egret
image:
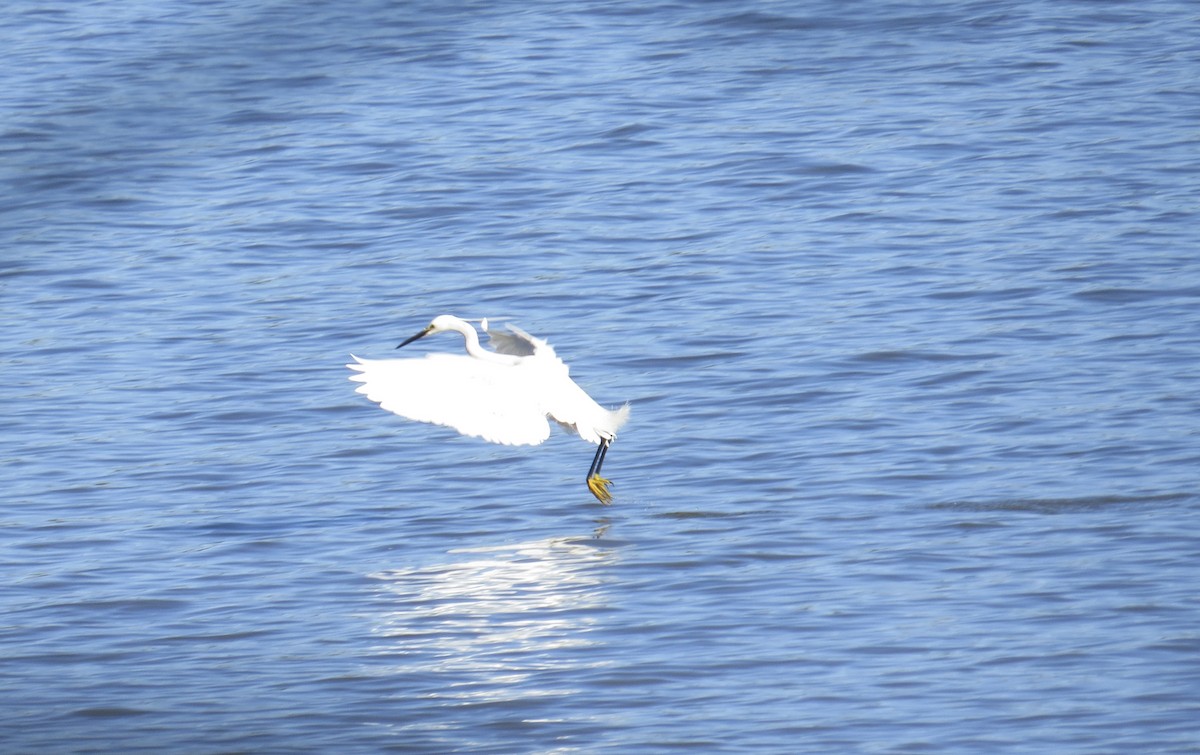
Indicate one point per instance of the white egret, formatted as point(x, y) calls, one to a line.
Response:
point(503, 396)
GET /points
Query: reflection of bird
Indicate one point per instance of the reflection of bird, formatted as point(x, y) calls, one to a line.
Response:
point(503, 396)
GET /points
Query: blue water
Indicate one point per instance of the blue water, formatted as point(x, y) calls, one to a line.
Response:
point(905, 297)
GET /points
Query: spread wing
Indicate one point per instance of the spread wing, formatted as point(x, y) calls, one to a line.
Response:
point(482, 399)
point(518, 343)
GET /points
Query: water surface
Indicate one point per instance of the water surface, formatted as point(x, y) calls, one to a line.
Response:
point(905, 297)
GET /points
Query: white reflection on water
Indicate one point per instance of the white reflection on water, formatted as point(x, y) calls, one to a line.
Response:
point(506, 623)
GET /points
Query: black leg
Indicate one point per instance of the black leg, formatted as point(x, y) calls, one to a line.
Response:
point(598, 459)
point(597, 484)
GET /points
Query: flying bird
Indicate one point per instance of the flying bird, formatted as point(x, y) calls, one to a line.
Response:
point(504, 396)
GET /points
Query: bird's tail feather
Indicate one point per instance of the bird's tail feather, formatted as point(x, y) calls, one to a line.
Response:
point(618, 417)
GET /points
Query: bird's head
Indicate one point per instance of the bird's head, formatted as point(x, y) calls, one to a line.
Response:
point(440, 324)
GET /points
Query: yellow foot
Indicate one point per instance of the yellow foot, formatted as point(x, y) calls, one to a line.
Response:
point(599, 488)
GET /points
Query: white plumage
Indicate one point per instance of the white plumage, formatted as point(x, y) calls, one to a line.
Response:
point(504, 396)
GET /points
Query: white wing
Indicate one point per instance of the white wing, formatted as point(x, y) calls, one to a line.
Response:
point(571, 406)
point(566, 403)
point(495, 402)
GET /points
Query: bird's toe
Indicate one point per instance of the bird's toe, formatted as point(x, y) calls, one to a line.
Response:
point(599, 487)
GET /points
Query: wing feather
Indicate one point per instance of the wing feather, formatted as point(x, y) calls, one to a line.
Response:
point(477, 398)
point(518, 343)
point(571, 406)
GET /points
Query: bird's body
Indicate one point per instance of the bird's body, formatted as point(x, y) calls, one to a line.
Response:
point(503, 396)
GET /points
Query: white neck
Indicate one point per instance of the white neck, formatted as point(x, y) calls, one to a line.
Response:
point(474, 349)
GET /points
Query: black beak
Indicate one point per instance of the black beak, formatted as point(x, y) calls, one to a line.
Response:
point(422, 334)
